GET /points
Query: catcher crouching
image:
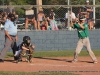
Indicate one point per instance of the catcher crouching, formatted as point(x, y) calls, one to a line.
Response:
point(25, 48)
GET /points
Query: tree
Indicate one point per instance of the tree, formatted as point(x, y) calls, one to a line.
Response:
point(19, 2)
point(47, 2)
point(64, 2)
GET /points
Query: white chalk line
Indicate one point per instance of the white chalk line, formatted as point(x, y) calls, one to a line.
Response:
point(57, 65)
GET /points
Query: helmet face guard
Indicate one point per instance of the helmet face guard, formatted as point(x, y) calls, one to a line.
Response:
point(26, 39)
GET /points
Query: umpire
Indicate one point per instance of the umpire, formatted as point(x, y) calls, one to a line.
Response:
point(10, 30)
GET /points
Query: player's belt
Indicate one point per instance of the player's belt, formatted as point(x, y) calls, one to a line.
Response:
point(83, 37)
point(13, 35)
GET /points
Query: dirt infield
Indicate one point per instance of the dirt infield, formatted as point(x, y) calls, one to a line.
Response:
point(53, 64)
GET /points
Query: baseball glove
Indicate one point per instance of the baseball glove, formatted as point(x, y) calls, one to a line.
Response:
point(30, 50)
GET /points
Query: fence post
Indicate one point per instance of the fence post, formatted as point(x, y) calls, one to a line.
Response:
point(69, 19)
point(38, 2)
point(94, 10)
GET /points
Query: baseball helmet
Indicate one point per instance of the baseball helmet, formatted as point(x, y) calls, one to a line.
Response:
point(25, 38)
point(82, 17)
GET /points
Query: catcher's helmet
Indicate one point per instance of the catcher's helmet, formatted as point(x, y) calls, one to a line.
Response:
point(25, 38)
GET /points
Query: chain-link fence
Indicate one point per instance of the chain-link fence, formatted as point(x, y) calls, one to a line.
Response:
point(59, 10)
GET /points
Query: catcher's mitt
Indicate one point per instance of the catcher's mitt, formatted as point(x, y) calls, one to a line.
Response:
point(31, 50)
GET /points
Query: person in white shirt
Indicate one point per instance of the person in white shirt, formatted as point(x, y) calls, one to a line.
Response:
point(30, 19)
point(69, 15)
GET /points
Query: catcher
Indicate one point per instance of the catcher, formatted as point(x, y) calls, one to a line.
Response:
point(25, 48)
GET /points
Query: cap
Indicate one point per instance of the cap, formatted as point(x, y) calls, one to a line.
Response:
point(11, 15)
point(87, 1)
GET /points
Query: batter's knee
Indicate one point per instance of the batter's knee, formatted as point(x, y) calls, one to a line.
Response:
point(77, 52)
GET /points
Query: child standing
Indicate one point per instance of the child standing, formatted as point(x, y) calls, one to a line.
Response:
point(82, 30)
point(51, 19)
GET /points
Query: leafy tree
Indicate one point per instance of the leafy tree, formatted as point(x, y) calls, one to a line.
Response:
point(64, 2)
point(49, 2)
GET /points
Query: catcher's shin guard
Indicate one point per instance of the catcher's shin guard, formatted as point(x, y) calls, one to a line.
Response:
point(21, 54)
point(30, 54)
point(29, 58)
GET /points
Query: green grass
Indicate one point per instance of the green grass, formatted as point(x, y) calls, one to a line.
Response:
point(64, 53)
point(39, 73)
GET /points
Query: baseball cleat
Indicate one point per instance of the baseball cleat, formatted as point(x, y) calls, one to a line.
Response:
point(95, 62)
point(73, 61)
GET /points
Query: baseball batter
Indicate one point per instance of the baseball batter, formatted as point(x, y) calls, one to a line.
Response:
point(82, 29)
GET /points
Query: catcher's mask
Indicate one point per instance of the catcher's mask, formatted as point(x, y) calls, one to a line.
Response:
point(26, 39)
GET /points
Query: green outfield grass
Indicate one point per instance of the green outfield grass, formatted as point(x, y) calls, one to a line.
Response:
point(62, 53)
point(39, 73)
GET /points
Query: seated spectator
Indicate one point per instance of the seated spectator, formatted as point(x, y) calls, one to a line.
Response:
point(16, 15)
point(44, 25)
point(89, 14)
point(51, 19)
point(41, 19)
point(1, 12)
point(69, 15)
point(30, 18)
point(3, 18)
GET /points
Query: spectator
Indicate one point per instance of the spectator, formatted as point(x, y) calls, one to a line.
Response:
point(69, 15)
point(88, 12)
point(16, 15)
point(1, 12)
point(3, 18)
point(89, 15)
point(51, 19)
point(30, 18)
point(5, 15)
point(41, 19)
point(7, 10)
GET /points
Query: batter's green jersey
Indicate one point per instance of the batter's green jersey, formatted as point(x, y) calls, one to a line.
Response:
point(82, 33)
